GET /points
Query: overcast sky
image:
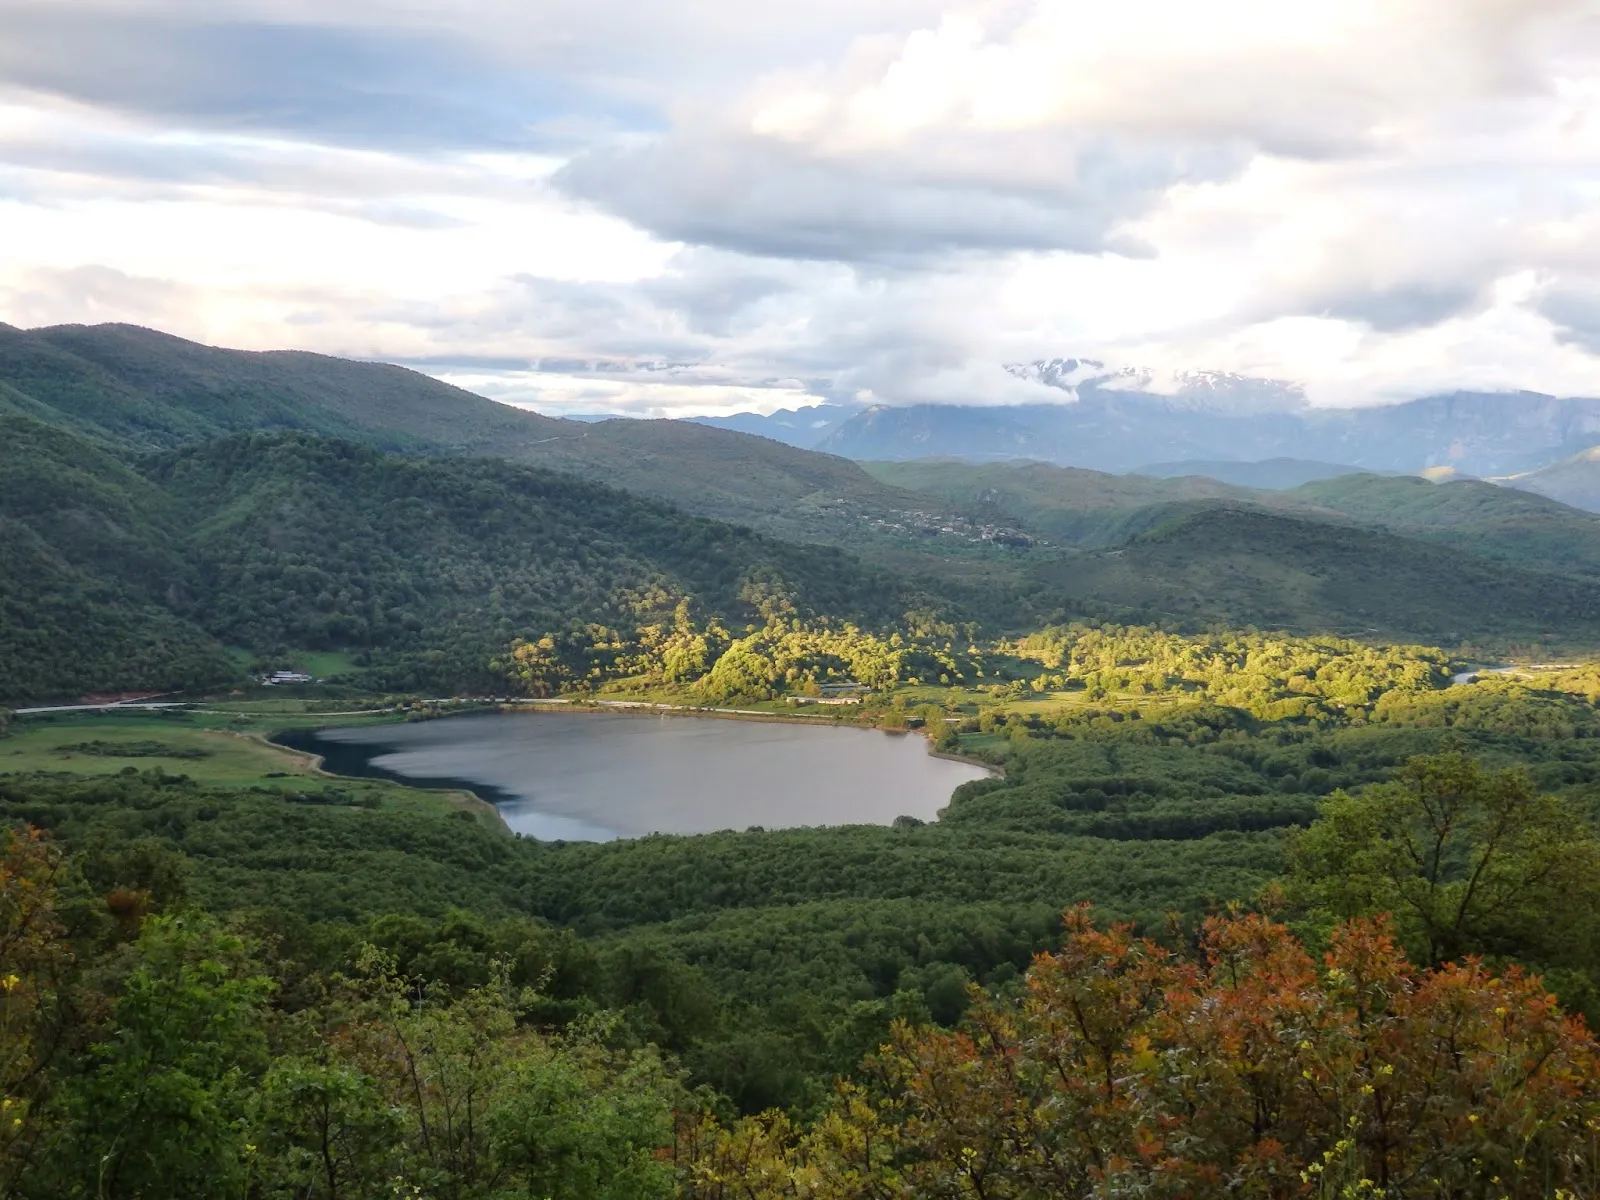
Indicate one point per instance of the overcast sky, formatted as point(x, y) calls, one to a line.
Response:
point(704, 205)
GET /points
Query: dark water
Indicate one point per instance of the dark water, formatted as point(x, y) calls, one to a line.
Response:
point(598, 776)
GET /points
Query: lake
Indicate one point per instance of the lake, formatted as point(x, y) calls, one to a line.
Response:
point(597, 776)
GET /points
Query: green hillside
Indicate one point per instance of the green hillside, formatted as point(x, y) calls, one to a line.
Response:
point(165, 499)
point(95, 591)
point(1270, 474)
point(1068, 505)
point(148, 390)
point(1094, 510)
point(1241, 565)
point(426, 568)
point(141, 390)
point(753, 480)
point(1479, 517)
point(1574, 481)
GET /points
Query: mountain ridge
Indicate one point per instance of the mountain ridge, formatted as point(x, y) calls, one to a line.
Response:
point(1089, 510)
point(277, 540)
point(1120, 419)
point(1574, 480)
point(140, 390)
point(1475, 433)
point(958, 531)
point(1244, 565)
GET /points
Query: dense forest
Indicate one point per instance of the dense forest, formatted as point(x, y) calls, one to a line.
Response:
point(1093, 510)
point(299, 990)
point(423, 569)
point(1272, 675)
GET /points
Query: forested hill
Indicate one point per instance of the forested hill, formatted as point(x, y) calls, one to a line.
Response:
point(124, 576)
point(119, 577)
point(96, 592)
point(1094, 510)
point(137, 389)
point(1241, 565)
point(1469, 514)
point(171, 511)
point(1072, 506)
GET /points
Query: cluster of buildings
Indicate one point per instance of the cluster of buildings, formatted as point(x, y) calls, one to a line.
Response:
point(274, 678)
point(971, 531)
point(834, 693)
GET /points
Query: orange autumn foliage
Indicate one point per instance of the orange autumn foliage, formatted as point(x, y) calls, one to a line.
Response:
point(1245, 1069)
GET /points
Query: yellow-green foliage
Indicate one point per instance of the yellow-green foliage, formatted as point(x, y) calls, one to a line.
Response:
point(787, 655)
point(1271, 675)
point(1555, 704)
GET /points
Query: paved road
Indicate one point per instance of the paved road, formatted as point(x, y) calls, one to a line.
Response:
point(55, 708)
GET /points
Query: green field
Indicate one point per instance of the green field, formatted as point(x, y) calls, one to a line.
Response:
point(214, 749)
point(321, 663)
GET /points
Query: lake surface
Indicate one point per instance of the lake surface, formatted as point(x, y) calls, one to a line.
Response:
point(598, 776)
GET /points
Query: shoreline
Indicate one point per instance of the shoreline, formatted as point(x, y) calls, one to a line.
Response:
point(997, 772)
point(314, 762)
point(464, 799)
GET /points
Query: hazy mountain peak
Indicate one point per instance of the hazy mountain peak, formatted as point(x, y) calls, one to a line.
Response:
point(1064, 373)
point(1223, 392)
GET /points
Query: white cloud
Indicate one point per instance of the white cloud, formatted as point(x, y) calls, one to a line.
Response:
point(712, 205)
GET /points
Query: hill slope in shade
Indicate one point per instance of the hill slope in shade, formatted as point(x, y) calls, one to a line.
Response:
point(1094, 510)
point(739, 477)
point(1247, 566)
point(425, 569)
point(118, 578)
point(1270, 474)
point(1478, 517)
point(1069, 505)
point(142, 390)
point(95, 591)
point(1574, 481)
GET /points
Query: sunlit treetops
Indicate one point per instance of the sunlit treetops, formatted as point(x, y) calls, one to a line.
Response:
point(1271, 675)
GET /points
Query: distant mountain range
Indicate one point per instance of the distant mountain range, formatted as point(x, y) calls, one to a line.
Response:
point(1113, 421)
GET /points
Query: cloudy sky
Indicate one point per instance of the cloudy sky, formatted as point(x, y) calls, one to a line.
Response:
point(706, 205)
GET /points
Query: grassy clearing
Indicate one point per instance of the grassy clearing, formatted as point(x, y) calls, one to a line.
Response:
point(227, 758)
point(323, 663)
point(216, 750)
point(978, 743)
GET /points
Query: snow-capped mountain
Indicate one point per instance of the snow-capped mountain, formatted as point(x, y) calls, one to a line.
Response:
point(1222, 392)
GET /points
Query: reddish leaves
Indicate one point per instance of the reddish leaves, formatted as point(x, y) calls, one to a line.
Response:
point(1245, 1069)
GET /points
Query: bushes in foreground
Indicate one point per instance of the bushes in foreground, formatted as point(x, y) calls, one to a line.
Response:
point(1244, 1068)
point(146, 1054)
